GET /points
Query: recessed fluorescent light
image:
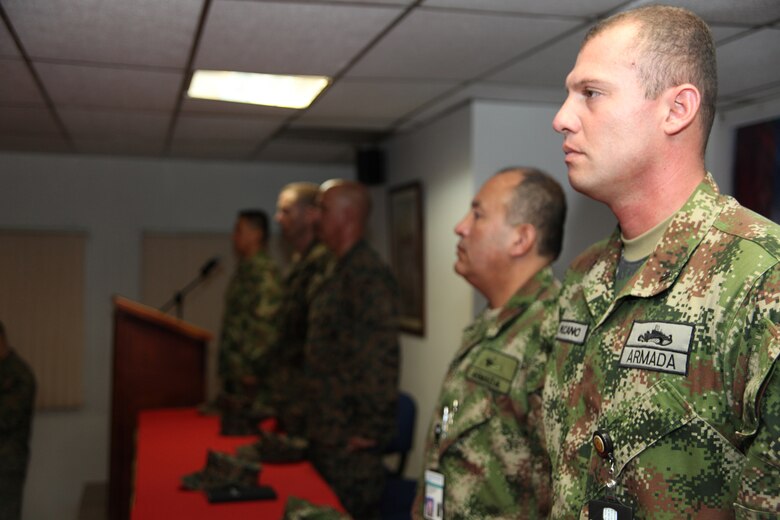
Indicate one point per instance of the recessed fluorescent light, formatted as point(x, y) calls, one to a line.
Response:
point(258, 89)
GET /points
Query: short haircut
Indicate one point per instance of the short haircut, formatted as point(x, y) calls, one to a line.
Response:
point(675, 47)
point(538, 199)
point(258, 219)
point(305, 193)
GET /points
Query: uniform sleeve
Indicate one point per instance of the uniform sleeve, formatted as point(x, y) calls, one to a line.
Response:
point(267, 301)
point(759, 493)
point(376, 357)
point(17, 395)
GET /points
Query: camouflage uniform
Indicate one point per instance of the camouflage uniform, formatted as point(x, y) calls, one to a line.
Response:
point(676, 367)
point(351, 364)
point(299, 285)
point(492, 451)
point(248, 325)
point(17, 397)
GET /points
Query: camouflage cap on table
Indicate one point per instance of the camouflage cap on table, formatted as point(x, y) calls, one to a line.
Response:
point(222, 470)
point(274, 447)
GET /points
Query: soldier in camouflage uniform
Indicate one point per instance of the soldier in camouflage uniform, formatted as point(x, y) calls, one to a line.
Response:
point(297, 214)
point(17, 397)
point(248, 324)
point(351, 356)
point(485, 443)
point(661, 401)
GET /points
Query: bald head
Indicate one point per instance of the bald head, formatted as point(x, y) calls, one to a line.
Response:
point(345, 207)
point(351, 196)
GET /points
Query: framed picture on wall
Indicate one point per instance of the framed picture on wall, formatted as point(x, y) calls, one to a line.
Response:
point(406, 253)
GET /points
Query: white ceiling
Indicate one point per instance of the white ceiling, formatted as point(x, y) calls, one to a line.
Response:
point(110, 76)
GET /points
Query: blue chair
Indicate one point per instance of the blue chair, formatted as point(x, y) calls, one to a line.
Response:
point(399, 492)
point(402, 442)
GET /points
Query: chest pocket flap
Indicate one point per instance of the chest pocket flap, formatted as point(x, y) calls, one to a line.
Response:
point(640, 422)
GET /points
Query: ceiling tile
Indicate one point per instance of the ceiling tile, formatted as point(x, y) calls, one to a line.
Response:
point(18, 85)
point(288, 38)
point(432, 44)
point(373, 99)
point(375, 2)
point(116, 146)
point(39, 144)
point(307, 152)
point(743, 12)
point(483, 91)
point(207, 106)
point(213, 149)
point(553, 7)
point(98, 124)
point(136, 32)
point(344, 123)
point(723, 32)
point(84, 86)
point(27, 121)
point(749, 63)
point(8, 47)
point(547, 68)
point(190, 127)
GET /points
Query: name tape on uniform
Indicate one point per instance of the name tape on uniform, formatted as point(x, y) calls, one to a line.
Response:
point(493, 369)
point(659, 346)
point(572, 332)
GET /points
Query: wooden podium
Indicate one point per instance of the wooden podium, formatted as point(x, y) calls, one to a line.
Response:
point(159, 362)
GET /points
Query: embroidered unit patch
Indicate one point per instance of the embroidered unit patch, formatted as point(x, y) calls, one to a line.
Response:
point(493, 369)
point(659, 346)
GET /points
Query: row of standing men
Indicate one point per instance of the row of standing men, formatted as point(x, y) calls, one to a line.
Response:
point(643, 386)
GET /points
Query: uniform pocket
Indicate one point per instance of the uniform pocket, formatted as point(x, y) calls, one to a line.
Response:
point(667, 455)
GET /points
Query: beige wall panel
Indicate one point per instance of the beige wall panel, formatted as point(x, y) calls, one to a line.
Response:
point(42, 306)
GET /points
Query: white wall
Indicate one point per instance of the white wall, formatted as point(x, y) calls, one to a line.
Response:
point(114, 200)
point(439, 156)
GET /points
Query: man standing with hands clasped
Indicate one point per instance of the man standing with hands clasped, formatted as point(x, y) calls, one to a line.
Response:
point(485, 454)
point(661, 400)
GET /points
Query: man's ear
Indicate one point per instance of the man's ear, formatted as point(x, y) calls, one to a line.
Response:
point(523, 240)
point(681, 104)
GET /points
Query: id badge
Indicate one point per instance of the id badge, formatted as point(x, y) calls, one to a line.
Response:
point(609, 509)
point(433, 507)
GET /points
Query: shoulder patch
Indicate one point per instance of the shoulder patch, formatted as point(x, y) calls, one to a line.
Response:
point(740, 221)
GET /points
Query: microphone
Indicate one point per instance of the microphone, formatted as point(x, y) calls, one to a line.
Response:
point(178, 297)
point(209, 266)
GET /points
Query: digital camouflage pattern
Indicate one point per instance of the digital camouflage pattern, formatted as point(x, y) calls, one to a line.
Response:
point(299, 286)
point(248, 326)
point(222, 469)
point(492, 454)
point(351, 366)
point(687, 396)
point(274, 447)
point(17, 399)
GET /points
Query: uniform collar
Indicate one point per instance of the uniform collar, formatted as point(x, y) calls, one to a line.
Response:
point(352, 251)
point(684, 232)
point(489, 324)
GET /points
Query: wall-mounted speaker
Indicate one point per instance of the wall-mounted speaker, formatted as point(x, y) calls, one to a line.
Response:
point(370, 164)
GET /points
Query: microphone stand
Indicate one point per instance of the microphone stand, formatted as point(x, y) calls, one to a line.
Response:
point(178, 297)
